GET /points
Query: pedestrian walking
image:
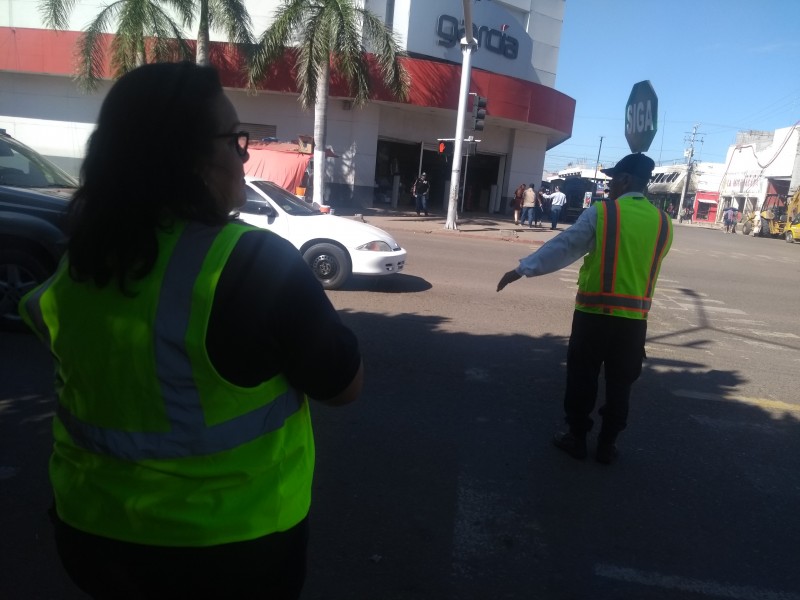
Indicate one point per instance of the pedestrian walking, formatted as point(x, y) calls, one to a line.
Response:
point(420, 190)
point(557, 202)
point(528, 204)
point(183, 451)
point(516, 202)
point(623, 241)
point(538, 210)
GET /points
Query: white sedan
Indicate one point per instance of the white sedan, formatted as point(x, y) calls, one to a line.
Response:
point(334, 247)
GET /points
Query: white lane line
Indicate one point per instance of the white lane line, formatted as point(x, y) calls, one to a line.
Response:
point(686, 584)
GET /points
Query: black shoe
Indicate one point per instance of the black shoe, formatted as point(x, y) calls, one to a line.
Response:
point(606, 453)
point(573, 446)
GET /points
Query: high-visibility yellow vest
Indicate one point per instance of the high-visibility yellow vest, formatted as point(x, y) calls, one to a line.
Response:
point(152, 445)
point(619, 276)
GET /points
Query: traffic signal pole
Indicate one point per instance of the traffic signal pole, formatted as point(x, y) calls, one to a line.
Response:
point(468, 46)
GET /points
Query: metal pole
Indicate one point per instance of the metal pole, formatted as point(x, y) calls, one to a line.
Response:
point(468, 45)
point(464, 187)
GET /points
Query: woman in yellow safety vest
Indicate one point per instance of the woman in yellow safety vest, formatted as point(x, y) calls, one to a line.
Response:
point(183, 452)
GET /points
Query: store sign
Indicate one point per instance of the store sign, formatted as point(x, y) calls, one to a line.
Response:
point(451, 31)
point(741, 183)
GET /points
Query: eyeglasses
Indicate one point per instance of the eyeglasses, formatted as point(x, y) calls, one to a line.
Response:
point(242, 140)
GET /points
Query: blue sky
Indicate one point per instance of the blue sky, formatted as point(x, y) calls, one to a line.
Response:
point(724, 65)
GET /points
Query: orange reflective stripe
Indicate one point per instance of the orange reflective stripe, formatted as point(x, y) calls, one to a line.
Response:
point(659, 252)
point(611, 301)
point(610, 243)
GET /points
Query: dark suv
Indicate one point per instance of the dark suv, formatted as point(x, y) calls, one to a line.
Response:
point(34, 194)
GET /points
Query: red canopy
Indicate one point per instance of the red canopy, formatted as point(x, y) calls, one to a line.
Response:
point(279, 162)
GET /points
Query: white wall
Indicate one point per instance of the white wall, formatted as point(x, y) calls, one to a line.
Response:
point(526, 150)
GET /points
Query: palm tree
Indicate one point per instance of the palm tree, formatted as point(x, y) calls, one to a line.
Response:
point(326, 34)
point(146, 32)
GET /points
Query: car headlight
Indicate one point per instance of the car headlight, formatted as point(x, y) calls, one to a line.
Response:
point(376, 246)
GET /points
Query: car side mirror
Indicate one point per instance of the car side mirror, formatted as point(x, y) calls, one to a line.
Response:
point(267, 210)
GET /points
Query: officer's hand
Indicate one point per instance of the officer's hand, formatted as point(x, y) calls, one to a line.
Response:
point(507, 278)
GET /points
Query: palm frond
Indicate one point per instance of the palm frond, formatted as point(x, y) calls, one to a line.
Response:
point(291, 17)
point(232, 17)
point(165, 36)
point(388, 55)
point(185, 9)
point(90, 50)
point(55, 13)
point(347, 51)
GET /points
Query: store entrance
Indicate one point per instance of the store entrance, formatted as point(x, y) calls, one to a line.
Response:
point(398, 164)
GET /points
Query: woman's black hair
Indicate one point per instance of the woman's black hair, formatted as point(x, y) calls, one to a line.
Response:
point(143, 170)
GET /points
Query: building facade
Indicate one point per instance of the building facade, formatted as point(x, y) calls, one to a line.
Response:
point(379, 148)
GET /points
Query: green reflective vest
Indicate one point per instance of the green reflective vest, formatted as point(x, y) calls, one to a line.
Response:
point(152, 445)
point(619, 276)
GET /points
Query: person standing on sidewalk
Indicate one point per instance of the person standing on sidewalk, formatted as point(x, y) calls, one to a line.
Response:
point(528, 204)
point(623, 241)
point(516, 202)
point(420, 191)
point(557, 201)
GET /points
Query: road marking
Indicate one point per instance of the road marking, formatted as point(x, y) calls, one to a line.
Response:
point(760, 332)
point(773, 406)
point(686, 584)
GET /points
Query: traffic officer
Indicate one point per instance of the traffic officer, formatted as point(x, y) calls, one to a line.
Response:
point(624, 239)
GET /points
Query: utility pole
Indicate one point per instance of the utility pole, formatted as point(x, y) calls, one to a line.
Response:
point(468, 46)
point(597, 164)
point(688, 168)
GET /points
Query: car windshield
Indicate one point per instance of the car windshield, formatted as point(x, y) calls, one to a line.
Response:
point(23, 167)
point(289, 203)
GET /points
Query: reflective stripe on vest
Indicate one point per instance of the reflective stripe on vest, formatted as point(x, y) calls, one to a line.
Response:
point(188, 434)
point(607, 299)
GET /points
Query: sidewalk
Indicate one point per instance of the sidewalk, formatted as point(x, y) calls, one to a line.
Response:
point(474, 225)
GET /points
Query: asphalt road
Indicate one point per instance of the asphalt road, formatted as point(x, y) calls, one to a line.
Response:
point(441, 483)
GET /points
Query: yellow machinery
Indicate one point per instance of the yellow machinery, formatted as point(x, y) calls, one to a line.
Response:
point(776, 213)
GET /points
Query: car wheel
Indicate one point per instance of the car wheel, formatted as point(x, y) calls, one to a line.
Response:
point(330, 265)
point(20, 272)
point(747, 228)
point(789, 237)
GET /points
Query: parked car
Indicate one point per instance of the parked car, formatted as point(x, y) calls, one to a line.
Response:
point(334, 247)
point(34, 195)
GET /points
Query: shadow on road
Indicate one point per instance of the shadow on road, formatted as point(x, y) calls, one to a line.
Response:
point(441, 483)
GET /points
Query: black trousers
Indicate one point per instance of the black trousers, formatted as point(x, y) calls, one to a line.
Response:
point(267, 568)
point(617, 344)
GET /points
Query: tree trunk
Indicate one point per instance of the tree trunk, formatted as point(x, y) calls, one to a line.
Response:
point(141, 57)
point(320, 134)
point(201, 57)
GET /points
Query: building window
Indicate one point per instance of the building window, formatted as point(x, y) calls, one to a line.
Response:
point(260, 132)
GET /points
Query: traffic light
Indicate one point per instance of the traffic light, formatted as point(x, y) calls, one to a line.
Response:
point(446, 147)
point(478, 113)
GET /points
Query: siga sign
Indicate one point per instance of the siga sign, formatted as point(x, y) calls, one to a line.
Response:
point(641, 117)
